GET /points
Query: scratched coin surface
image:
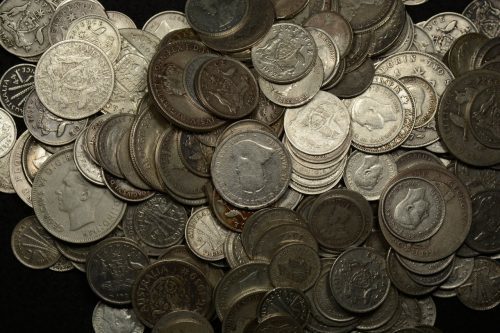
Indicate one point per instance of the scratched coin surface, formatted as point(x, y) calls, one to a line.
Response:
point(251, 170)
point(32, 245)
point(15, 85)
point(74, 79)
point(68, 206)
point(359, 280)
point(112, 267)
point(286, 54)
point(106, 318)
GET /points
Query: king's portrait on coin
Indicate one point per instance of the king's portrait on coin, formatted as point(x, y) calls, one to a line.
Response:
point(250, 158)
point(413, 210)
point(76, 200)
point(372, 114)
point(367, 176)
point(117, 320)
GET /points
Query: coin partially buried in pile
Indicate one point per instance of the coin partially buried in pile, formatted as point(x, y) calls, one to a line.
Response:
point(258, 165)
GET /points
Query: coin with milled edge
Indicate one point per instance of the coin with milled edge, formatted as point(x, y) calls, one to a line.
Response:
point(246, 164)
point(205, 236)
point(359, 280)
point(123, 190)
point(80, 90)
point(68, 206)
point(87, 167)
point(170, 285)
point(32, 245)
point(286, 54)
point(112, 267)
point(17, 176)
point(15, 85)
point(183, 321)
point(106, 318)
point(233, 250)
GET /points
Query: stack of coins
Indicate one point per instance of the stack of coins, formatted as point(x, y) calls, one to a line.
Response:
point(257, 165)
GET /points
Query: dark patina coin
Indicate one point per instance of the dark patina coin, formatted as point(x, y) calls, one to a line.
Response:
point(15, 86)
point(484, 235)
point(289, 301)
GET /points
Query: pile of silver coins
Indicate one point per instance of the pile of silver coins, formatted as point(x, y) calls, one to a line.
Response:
point(258, 165)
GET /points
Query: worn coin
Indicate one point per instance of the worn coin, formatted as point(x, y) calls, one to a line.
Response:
point(87, 167)
point(484, 14)
point(426, 268)
point(328, 52)
point(288, 8)
point(68, 206)
point(165, 22)
point(5, 181)
point(383, 314)
point(77, 91)
point(123, 190)
point(34, 155)
point(335, 25)
point(422, 42)
point(112, 267)
point(205, 236)
point(169, 285)
point(369, 174)
point(8, 133)
point(15, 85)
point(480, 118)
point(483, 236)
point(183, 321)
point(120, 20)
point(230, 216)
point(18, 179)
point(354, 83)
point(106, 318)
point(283, 322)
point(364, 15)
point(233, 250)
point(461, 271)
point(426, 99)
point(289, 301)
point(242, 313)
point(32, 245)
point(238, 178)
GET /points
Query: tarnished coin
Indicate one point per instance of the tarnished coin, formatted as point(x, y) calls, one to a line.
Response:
point(8, 133)
point(289, 301)
point(34, 156)
point(120, 20)
point(165, 22)
point(98, 31)
point(324, 303)
point(369, 174)
point(233, 250)
point(481, 291)
point(223, 17)
point(112, 267)
point(126, 165)
point(183, 321)
point(283, 322)
point(297, 93)
point(481, 119)
point(195, 154)
point(359, 280)
point(47, 127)
point(328, 52)
point(364, 15)
point(461, 271)
point(288, 8)
point(354, 83)
point(165, 80)
point(32, 245)
point(320, 127)
point(286, 54)
point(483, 235)
point(15, 85)
point(463, 52)
point(422, 42)
point(444, 28)
point(62, 265)
point(246, 164)
point(230, 216)
point(340, 219)
point(426, 268)
point(74, 79)
point(334, 25)
point(87, 167)
point(251, 276)
point(423, 136)
point(68, 206)
point(170, 285)
point(205, 236)
point(242, 313)
point(106, 318)
point(160, 221)
point(383, 314)
point(227, 88)
point(68, 12)
point(5, 181)
point(413, 209)
point(484, 14)
point(24, 27)
point(123, 190)
point(295, 266)
point(17, 176)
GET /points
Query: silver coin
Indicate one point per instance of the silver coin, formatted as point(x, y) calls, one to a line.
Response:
point(319, 127)
point(233, 250)
point(205, 236)
point(242, 313)
point(413, 209)
point(5, 181)
point(123, 190)
point(108, 319)
point(481, 291)
point(422, 42)
point(71, 208)
point(423, 136)
point(34, 156)
point(425, 97)
point(286, 54)
point(369, 174)
point(15, 85)
point(183, 321)
point(125, 163)
point(163, 23)
point(32, 245)
point(62, 265)
point(131, 68)
point(87, 167)
point(245, 164)
point(295, 266)
point(485, 14)
point(325, 303)
point(462, 270)
point(445, 28)
point(359, 280)
point(24, 27)
point(8, 133)
point(47, 127)
point(19, 181)
point(328, 52)
point(289, 301)
point(120, 20)
point(99, 31)
point(77, 91)
point(69, 11)
point(297, 93)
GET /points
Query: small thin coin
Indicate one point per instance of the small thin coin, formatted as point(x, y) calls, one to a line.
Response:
point(15, 85)
point(106, 318)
